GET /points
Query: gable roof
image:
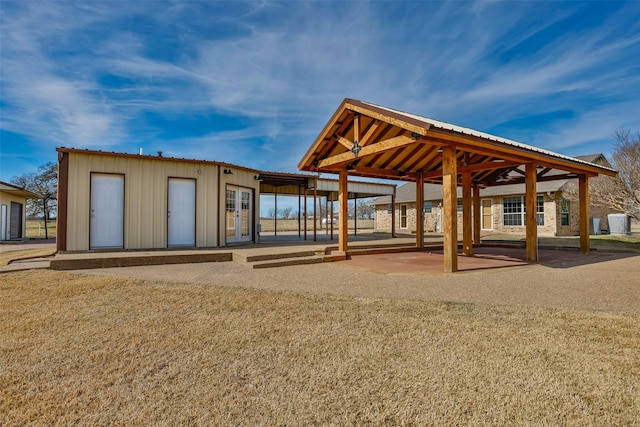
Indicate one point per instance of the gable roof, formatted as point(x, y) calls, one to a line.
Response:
point(433, 192)
point(148, 157)
point(14, 190)
point(380, 142)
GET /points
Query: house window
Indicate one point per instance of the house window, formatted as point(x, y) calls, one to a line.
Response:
point(403, 216)
point(389, 208)
point(428, 207)
point(540, 209)
point(459, 205)
point(564, 212)
point(513, 210)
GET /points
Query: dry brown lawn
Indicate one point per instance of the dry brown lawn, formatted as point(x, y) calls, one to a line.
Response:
point(93, 350)
point(7, 256)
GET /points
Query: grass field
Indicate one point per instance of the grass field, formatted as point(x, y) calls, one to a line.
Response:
point(94, 350)
point(35, 228)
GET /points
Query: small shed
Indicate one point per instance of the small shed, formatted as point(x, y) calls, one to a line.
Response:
point(121, 201)
point(13, 200)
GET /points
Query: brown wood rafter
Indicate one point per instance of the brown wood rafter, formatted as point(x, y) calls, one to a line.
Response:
point(344, 124)
point(479, 145)
point(370, 133)
point(382, 146)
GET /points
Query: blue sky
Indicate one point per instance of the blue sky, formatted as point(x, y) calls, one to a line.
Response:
point(254, 83)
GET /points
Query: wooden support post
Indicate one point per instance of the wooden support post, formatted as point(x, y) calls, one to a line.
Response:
point(393, 213)
point(450, 208)
point(530, 215)
point(467, 243)
point(583, 194)
point(275, 215)
point(476, 215)
point(420, 211)
point(343, 217)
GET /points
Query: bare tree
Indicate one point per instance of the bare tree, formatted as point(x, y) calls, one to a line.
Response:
point(285, 213)
point(622, 192)
point(365, 210)
point(42, 182)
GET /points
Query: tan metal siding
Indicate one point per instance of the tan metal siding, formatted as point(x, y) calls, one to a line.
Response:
point(6, 199)
point(146, 192)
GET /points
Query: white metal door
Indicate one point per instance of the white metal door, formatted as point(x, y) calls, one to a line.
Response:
point(181, 213)
point(3, 223)
point(239, 211)
point(107, 211)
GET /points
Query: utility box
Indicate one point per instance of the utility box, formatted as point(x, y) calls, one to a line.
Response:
point(594, 226)
point(619, 224)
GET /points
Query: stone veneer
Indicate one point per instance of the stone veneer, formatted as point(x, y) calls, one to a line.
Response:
point(552, 219)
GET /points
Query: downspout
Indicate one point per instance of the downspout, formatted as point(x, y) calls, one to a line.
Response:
point(32, 257)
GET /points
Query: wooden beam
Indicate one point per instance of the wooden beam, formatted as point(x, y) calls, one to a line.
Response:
point(583, 194)
point(509, 152)
point(320, 145)
point(368, 137)
point(340, 128)
point(356, 128)
point(345, 142)
point(477, 224)
point(467, 240)
point(343, 205)
point(541, 179)
point(388, 144)
point(420, 211)
point(421, 130)
point(476, 167)
point(530, 215)
point(381, 173)
point(450, 208)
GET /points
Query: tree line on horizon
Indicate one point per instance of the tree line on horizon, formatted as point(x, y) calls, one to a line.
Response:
point(620, 193)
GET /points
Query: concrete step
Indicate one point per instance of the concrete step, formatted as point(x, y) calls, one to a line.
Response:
point(84, 261)
point(284, 262)
point(248, 259)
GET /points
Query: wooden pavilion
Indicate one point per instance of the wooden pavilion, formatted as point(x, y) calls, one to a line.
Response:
point(368, 140)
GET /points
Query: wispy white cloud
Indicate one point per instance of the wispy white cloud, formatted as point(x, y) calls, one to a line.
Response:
point(90, 74)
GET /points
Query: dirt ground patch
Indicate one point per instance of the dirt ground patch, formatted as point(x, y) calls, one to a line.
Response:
point(599, 281)
point(102, 350)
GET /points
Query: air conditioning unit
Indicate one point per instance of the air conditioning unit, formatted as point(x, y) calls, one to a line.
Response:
point(619, 224)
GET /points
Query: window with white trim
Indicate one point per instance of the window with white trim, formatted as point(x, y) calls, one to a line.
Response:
point(540, 210)
point(564, 212)
point(403, 216)
point(514, 210)
point(428, 207)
